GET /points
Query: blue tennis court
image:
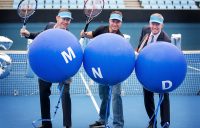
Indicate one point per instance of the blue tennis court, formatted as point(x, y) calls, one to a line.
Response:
point(20, 111)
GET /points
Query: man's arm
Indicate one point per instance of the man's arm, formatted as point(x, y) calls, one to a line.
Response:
point(27, 34)
point(30, 35)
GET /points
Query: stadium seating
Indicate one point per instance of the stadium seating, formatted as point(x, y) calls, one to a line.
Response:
point(71, 4)
point(56, 4)
point(110, 4)
point(114, 4)
point(168, 4)
point(15, 3)
point(40, 4)
point(48, 4)
point(64, 4)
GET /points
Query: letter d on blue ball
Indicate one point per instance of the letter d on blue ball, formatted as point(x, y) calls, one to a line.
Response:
point(55, 55)
point(161, 67)
point(109, 59)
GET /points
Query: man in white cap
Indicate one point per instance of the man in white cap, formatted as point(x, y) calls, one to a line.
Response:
point(63, 21)
point(152, 34)
point(115, 22)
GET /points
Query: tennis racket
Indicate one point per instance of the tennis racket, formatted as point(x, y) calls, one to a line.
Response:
point(25, 9)
point(145, 38)
point(37, 123)
point(92, 8)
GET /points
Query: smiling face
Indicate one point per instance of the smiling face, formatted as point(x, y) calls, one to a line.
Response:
point(156, 23)
point(155, 27)
point(62, 23)
point(114, 25)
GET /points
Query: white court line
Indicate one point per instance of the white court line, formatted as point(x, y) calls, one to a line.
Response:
point(194, 68)
point(90, 93)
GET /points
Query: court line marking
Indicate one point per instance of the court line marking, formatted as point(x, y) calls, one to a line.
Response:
point(194, 68)
point(90, 93)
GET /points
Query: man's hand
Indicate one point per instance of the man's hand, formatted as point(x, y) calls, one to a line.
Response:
point(24, 32)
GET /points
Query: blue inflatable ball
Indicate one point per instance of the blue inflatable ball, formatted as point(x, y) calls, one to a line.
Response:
point(109, 59)
point(161, 67)
point(55, 55)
